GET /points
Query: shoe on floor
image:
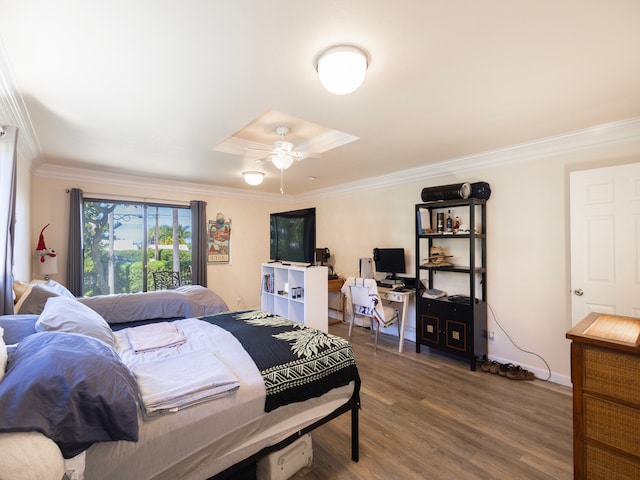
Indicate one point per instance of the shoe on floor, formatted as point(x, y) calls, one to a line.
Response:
point(490, 366)
point(485, 365)
point(494, 367)
point(519, 373)
point(505, 368)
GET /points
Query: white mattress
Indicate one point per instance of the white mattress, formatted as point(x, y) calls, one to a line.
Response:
point(201, 441)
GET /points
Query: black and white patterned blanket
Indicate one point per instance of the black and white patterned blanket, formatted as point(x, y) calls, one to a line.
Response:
point(296, 362)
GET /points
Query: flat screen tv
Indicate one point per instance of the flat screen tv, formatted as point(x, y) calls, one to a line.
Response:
point(389, 261)
point(293, 236)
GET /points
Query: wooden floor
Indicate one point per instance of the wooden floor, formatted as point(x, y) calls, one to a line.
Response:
point(428, 416)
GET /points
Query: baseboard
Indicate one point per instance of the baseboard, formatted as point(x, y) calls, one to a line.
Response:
point(541, 374)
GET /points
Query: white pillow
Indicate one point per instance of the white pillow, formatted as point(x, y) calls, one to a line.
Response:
point(3, 354)
point(62, 314)
point(28, 455)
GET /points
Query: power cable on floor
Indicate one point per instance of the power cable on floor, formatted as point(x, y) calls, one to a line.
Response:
point(495, 318)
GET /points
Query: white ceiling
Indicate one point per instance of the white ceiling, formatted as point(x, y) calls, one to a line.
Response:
point(150, 87)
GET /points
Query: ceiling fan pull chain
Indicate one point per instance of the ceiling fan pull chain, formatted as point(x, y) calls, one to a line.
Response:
point(281, 182)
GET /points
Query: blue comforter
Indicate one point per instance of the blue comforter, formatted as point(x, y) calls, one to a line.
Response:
point(72, 388)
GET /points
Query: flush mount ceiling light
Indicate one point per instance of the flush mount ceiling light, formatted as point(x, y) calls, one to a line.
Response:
point(342, 69)
point(253, 178)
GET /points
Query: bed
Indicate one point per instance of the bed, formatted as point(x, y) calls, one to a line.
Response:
point(275, 380)
point(181, 302)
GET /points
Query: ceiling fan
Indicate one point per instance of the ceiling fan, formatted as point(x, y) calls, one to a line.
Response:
point(283, 154)
point(250, 143)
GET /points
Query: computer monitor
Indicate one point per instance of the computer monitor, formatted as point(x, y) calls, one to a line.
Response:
point(389, 261)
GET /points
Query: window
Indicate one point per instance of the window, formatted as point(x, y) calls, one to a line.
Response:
point(125, 242)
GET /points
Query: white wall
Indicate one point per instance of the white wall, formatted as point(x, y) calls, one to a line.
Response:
point(527, 226)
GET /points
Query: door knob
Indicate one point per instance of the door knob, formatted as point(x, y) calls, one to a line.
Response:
point(578, 292)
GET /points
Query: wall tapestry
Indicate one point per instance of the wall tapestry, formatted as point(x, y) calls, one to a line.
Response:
point(219, 239)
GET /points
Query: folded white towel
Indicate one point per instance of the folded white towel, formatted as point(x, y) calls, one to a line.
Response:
point(154, 336)
point(183, 380)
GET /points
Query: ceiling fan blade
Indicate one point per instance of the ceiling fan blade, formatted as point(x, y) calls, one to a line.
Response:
point(295, 154)
point(266, 150)
point(304, 155)
point(259, 154)
point(326, 141)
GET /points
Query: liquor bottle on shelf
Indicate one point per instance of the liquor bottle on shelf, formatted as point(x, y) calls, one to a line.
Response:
point(449, 222)
point(440, 222)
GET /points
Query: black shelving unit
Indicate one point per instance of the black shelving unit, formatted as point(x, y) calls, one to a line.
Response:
point(450, 323)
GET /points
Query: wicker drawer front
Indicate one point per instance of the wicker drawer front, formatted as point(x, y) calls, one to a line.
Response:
point(611, 373)
point(612, 424)
point(604, 465)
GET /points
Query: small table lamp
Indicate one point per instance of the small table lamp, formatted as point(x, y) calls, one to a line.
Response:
point(47, 265)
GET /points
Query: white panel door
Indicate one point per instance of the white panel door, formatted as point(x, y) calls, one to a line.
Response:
point(605, 247)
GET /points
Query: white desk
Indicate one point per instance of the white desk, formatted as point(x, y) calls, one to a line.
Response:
point(388, 295)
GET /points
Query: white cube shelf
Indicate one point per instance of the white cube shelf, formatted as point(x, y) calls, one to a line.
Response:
point(298, 293)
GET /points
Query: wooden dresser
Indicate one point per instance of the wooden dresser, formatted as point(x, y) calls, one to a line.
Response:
point(605, 371)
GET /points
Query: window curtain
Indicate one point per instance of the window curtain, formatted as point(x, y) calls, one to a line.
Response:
point(75, 245)
point(199, 243)
point(8, 163)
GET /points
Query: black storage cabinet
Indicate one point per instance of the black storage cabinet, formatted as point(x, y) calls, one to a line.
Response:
point(456, 327)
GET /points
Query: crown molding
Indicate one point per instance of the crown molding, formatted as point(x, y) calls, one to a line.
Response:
point(616, 133)
point(600, 136)
point(13, 111)
point(136, 182)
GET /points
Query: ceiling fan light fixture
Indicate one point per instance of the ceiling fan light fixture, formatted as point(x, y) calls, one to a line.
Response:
point(342, 69)
point(253, 177)
point(282, 161)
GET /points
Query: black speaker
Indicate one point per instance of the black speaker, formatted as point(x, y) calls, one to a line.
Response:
point(446, 192)
point(322, 255)
point(480, 190)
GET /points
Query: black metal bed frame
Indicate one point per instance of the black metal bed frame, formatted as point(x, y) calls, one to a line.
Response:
point(353, 405)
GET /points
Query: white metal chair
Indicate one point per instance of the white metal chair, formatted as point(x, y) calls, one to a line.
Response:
point(366, 303)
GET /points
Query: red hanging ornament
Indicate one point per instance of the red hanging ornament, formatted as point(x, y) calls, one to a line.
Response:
point(42, 248)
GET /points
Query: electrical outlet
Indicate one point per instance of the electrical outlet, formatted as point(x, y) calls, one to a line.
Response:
point(492, 335)
point(238, 300)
